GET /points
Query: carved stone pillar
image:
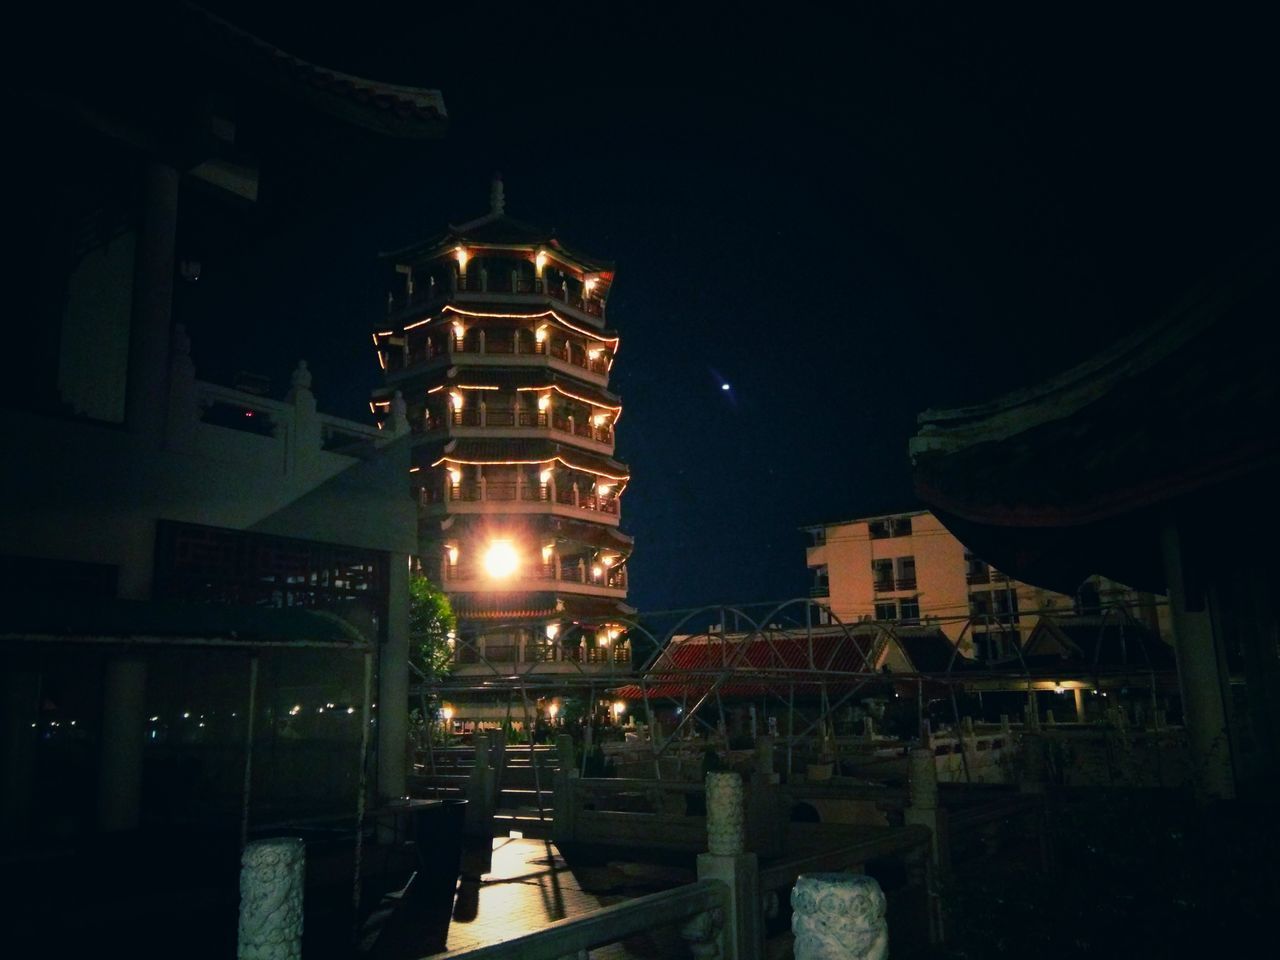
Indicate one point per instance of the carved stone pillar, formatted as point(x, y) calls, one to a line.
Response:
point(725, 806)
point(838, 916)
point(271, 882)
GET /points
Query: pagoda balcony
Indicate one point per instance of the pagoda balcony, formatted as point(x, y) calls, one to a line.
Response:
point(536, 651)
point(506, 497)
point(490, 350)
point(575, 577)
point(475, 287)
point(533, 423)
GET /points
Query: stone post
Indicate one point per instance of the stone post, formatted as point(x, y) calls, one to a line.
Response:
point(838, 916)
point(563, 799)
point(480, 794)
point(727, 861)
point(1078, 696)
point(271, 884)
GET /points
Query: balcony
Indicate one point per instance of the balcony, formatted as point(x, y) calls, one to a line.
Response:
point(506, 420)
point(606, 582)
point(977, 577)
point(534, 651)
point(498, 286)
point(519, 498)
point(884, 585)
point(905, 583)
point(496, 350)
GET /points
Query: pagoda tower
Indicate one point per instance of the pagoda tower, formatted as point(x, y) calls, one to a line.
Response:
point(496, 349)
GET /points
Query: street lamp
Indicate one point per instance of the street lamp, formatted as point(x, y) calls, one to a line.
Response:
point(501, 559)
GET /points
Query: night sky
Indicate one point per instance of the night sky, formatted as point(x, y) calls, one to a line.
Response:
point(924, 213)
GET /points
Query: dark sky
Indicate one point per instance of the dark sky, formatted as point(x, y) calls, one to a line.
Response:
point(857, 226)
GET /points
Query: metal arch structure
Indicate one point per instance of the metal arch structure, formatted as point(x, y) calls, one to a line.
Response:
point(834, 658)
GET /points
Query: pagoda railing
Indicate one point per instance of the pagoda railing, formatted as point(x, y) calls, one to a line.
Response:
point(523, 420)
point(613, 578)
point(506, 491)
point(476, 281)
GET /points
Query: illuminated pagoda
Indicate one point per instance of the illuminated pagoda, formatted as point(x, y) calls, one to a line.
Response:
point(496, 350)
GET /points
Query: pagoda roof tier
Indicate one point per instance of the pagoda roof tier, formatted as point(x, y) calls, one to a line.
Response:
point(504, 311)
point(497, 230)
point(531, 380)
point(543, 605)
point(507, 451)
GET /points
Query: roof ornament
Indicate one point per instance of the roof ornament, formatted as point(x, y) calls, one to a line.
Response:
point(497, 203)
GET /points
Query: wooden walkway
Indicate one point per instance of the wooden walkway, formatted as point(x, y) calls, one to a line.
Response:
point(531, 885)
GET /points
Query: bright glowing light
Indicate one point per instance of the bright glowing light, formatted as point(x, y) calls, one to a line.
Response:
point(455, 475)
point(613, 633)
point(545, 476)
point(596, 571)
point(724, 386)
point(447, 712)
point(501, 559)
point(186, 716)
point(461, 254)
point(553, 630)
point(619, 707)
point(599, 419)
point(351, 710)
point(544, 401)
point(552, 709)
point(608, 561)
point(453, 556)
point(603, 488)
point(547, 551)
point(540, 334)
point(295, 710)
point(456, 398)
point(458, 331)
point(540, 261)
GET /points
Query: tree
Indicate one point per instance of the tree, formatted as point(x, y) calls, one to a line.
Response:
point(431, 622)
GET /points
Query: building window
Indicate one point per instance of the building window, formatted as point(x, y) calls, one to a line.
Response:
point(889, 527)
point(980, 605)
point(882, 574)
point(905, 573)
point(909, 610)
point(887, 611)
point(976, 571)
point(821, 585)
point(819, 535)
point(1005, 603)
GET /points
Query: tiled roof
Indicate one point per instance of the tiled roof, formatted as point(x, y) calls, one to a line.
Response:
point(769, 665)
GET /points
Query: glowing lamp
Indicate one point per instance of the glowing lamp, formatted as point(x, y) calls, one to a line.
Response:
point(545, 476)
point(501, 559)
point(546, 552)
point(540, 334)
point(540, 261)
point(599, 419)
point(590, 284)
point(544, 401)
point(453, 556)
point(613, 633)
point(552, 709)
point(456, 399)
point(593, 353)
point(596, 571)
point(458, 331)
point(553, 630)
point(619, 707)
point(603, 488)
point(461, 254)
point(608, 561)
point(455, 475)
point(447, 712)
point(602, 639)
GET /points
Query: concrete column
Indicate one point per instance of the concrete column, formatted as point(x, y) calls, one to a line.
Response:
point(923, 807)
point(123, 735)
point(839, 916)
point(19, 708)
point(393, 684)
point(1201, 675)
point(271, 884)
point(1079, 698)
point(147, 392)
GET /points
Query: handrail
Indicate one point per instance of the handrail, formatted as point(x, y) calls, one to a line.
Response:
point(608, 925)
